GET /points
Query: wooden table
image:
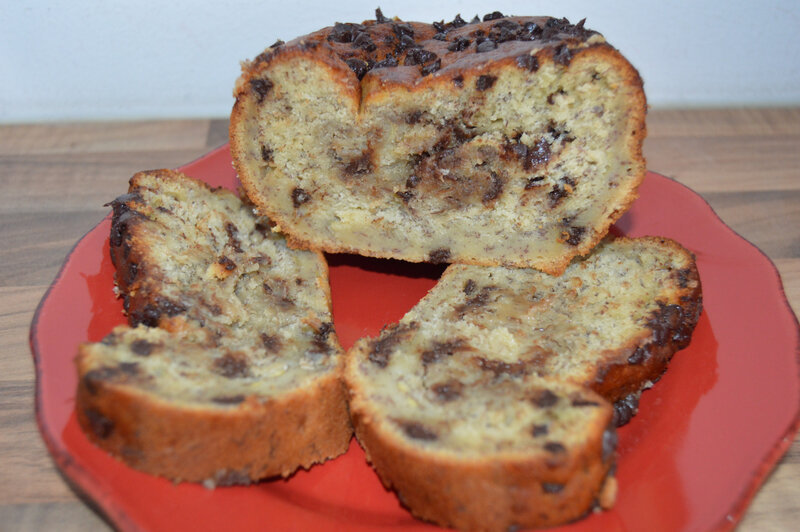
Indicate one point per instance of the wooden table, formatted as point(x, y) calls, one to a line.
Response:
point(54, 180)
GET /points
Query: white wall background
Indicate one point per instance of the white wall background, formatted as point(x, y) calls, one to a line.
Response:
point(83, 59)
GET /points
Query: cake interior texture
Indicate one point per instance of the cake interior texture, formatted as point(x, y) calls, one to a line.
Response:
point(230, 336)
point(522, 154)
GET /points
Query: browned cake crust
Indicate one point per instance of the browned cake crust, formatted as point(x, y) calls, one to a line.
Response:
point(493, 403)
point(207, 385)
point(513, 141)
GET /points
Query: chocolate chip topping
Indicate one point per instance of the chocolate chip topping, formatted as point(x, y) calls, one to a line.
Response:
point(389, 61)
point(562, 55)
point(359, 66)
point(486, 45)
point(493, 16)
point(431, 67)
point(345, 33)
point(379, 18)
point(668, 324)
point(528, 62)
point(418, 56)
point(299, 197)
point(459, 45)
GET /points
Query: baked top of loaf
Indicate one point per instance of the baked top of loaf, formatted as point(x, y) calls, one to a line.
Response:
point(499, 366)
point(228, 324)
point(513, 141)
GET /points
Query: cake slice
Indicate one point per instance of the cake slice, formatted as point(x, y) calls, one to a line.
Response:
point(230, 370)
point(511, 141)
point(490, 405)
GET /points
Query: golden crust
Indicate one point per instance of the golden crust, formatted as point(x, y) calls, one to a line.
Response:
point(493, 493)
point(224, 445)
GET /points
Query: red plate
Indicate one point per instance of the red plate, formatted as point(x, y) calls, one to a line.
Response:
point(706, 435)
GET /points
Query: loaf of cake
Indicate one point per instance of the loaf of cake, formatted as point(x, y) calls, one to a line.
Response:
point(512, 141)
point(490, 405)
point(230, 370)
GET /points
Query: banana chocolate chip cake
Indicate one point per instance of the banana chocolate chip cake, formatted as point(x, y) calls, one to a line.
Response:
point(491, 404)
point(512, 141)
point(230, 370)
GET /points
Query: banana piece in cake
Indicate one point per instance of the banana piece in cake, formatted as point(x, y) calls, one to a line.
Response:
point(511, 141)
point(490, 405)
point(230, 371)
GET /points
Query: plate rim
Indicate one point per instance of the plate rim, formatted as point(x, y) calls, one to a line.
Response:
point(103, 503)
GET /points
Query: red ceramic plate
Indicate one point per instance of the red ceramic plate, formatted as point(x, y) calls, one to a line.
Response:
point(706, 435)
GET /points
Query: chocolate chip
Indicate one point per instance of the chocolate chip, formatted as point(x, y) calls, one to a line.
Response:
point(152, 312)
point(344, 33)
point(487, 45)
point(499, 367)
point(562, 55)
point(233, 236)
point(141, 347)
point(227, 263)
point(610, 440)
point(544, 399)
point(667, 325)
point(231, 365)
point(458, 22)
point(299, 197)
point(575, 235)
point(448, 390)
point(403, 29)
point(228, 399)
point(381, 349)
point(552, 488)
point(494, 189)
point(101, 426)
point(528, 62)
point(539, 430)
point(581, 402)
point(439, 350)
point(361, 166)
point(277, 44)
point(469, 287)
point(556, 194)
point(458, 81)
point(431, 67)
point(485, 82)
point(439, 26)
point(625, 409)
point(440, 36)
point(272, 342)
point(418, 431)
point(364, 42)
point(412, 181)
point(320, 339)
point(358, 66)
point(533, 182)
point(459, 45)
point(414, 117)
point(638, 356)
point(389, 61)
point(405, 195)
point(266, 154)
point(475, 302)
point(261, 87)
point(418, 56)
point(555, 447)
point(493, 16)
point(439, 256)
point(379, 18)
point(475, 20)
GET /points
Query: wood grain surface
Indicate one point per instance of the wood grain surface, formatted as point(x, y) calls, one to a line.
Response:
point(55, 179)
